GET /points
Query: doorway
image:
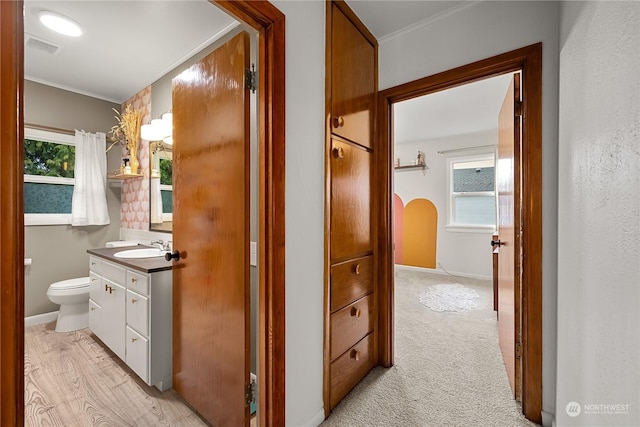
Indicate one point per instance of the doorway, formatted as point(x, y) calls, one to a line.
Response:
point(527, 59)
point(269, 22)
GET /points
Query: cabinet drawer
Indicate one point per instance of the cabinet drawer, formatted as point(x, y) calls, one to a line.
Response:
point(350, 324)
point(113, 272)
point(351, 280)
point(95, 264)
point(138, 282)
point(348, 369)
point(96, 289)
point(138, 354)
point(138, 312)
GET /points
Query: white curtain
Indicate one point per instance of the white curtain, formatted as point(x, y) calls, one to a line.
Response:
point(89, 204)
point(156, 201)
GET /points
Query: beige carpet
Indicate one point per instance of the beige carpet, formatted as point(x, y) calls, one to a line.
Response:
point(448, 369)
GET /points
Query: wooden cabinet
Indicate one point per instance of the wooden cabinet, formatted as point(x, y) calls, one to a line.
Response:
point(350, 308)
point(131, 312)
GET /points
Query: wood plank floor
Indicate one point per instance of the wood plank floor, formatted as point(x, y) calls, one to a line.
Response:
point(72, 379)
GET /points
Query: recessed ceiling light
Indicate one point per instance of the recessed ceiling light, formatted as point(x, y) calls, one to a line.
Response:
point(60, 23)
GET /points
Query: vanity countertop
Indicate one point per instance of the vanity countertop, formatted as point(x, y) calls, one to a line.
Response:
point(146, 265)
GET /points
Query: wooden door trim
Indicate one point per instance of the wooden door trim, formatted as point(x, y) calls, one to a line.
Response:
point(529, 60)
point(12, 224)
point(270, 22)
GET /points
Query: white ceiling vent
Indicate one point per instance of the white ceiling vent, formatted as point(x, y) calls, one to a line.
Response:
point(42, 45)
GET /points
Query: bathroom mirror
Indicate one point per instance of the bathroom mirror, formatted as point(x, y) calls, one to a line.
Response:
point(160, 186)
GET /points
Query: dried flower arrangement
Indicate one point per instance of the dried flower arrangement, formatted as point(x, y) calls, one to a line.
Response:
point(127, 133)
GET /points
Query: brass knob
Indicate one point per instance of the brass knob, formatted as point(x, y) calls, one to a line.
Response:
point(338, 152)
point(134, 280)
point(133, 300)
point(338, 122)
point(134, 339)
point(355, 354)
point(356, 268)
point(355, 312)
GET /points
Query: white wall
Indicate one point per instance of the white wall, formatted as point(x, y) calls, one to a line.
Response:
point(464, 253)
point(487, 29)
point(599, 213)
point(305, 32)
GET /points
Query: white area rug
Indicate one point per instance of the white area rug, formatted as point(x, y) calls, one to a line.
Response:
point(449, 297)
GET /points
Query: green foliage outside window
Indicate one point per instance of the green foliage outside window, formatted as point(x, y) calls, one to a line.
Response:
point(165, 172)
point(48, 158)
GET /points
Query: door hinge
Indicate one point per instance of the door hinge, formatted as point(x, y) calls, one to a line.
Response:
point(518, 350)
point(250, 393)
point(518, 109)
point(250, 78)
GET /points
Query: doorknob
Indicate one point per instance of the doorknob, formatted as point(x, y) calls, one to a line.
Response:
point(172, 255)
point(496, 243)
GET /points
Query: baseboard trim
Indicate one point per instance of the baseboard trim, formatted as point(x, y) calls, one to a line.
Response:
point(39, 319)
point(548, 419)
point(442, 272)
point(317, 419)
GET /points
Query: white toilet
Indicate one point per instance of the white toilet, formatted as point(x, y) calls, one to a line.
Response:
point(73, 297)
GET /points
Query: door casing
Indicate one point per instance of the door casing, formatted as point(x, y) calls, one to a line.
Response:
point(270, 24)
point(529, 60)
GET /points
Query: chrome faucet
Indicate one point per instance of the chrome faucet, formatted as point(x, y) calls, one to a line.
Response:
point(163, 246)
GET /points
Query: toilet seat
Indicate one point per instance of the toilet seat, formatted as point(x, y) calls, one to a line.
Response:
point(79, 282)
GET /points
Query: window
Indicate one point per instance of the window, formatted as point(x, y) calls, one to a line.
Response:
point(49, 163)
point(166, 188)
point(472, 197)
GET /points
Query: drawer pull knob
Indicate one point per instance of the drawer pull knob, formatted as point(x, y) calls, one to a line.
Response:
point(93, 280)
point(133, 300)
point(338, 152)
point(93, 308)
point(356, 268)
point(338, 122)
point(134, 280)
point(93, 263)
point(355, 354)
point(134, 339)
point(355, 312)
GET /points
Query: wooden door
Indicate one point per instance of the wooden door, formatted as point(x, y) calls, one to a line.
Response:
point(353, 83)
point(350, 200)
point(211, 234)
point(508, 187)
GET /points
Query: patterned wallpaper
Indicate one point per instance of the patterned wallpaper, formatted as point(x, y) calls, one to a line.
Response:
point(134, 205)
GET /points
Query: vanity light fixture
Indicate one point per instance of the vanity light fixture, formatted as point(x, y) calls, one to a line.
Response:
point(159, 129)
point(60, 23)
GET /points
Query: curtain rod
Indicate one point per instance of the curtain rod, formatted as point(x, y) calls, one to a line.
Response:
point(49, 128)
point(465, 149)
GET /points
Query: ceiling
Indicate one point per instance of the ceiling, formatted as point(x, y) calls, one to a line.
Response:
point(127, 45)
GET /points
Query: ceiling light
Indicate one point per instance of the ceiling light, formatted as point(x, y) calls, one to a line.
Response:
point(60, 23)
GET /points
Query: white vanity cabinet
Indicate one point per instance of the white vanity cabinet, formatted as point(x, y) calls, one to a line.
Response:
point(131, 312)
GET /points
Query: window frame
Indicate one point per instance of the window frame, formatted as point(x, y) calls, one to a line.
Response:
point(31, 219)
point(451, 195)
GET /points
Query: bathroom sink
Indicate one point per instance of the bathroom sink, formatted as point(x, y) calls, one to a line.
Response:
point(140, 253)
